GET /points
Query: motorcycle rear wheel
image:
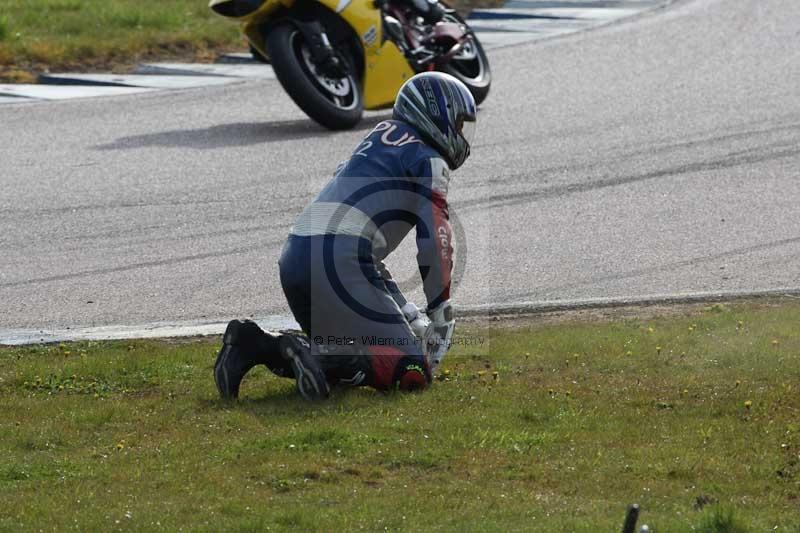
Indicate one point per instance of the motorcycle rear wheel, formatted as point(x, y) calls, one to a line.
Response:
point(471, 65)
point(335, 104)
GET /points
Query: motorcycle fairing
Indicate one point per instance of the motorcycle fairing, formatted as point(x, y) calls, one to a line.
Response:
point(385, 67)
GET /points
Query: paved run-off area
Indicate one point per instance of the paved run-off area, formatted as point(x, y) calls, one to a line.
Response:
point(517, 22)
point(654, 156)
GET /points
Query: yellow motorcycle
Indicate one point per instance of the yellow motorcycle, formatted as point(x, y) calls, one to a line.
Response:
point(336, 58)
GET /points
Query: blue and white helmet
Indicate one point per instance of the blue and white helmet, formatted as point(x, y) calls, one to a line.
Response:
point(442, 110)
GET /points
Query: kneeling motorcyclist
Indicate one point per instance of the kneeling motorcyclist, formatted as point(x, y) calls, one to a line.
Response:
point(362, 329)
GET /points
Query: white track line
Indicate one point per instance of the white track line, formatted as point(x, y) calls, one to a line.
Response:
point(16, 337)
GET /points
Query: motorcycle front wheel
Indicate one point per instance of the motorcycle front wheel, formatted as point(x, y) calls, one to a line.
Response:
point(336, 104)
point(470, 65)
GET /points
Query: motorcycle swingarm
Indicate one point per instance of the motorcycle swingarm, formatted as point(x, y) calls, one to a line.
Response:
point(446, 31)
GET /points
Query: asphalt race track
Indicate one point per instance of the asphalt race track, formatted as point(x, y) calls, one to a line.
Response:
point(656, 156)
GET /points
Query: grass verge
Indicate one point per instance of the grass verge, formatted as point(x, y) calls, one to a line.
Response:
point(547, 427)
point(81, 35)
point(113, 35)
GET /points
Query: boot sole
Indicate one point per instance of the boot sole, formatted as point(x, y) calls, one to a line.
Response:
point(220, 372)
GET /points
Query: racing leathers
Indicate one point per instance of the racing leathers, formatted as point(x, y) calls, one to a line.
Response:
point(332, 269)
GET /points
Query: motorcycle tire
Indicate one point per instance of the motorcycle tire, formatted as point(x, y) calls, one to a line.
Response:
point(335, 104)
point(474, 69)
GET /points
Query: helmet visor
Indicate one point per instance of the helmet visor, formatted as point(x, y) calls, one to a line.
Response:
point(468, 131)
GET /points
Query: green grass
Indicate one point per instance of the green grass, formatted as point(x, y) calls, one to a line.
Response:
point(696, 417)
point(3, 28)
point(38, 34)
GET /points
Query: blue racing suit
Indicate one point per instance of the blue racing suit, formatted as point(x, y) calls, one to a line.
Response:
point(332, 269)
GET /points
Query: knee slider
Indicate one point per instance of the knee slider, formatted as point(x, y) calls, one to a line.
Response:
point(412, 376)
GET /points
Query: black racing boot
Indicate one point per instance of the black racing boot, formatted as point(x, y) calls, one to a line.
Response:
point(346, 366)
point(435, 13)
point(244, 346)
point(430, 10)
point(311, 381)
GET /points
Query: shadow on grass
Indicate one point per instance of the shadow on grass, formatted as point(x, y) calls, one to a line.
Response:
point(234, 134)
point(283, 397)
point(287, 398)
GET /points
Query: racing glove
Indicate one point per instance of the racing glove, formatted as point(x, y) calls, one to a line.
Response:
point(417, 320)
point(439, 333)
